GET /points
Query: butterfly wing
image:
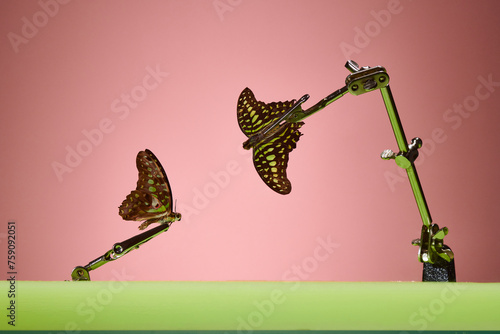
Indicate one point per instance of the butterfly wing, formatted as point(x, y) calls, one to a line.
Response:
point(151, 166)
point(152, 199)
point(254, 116)
point(270, 157)
point(270, 152)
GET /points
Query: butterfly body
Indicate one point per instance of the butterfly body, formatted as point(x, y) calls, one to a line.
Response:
point(271, 145)
point(151, 201)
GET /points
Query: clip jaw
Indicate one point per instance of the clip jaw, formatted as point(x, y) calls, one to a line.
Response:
point(299, 114)
point(81, 273)
point(268, 131)
point(431, 244)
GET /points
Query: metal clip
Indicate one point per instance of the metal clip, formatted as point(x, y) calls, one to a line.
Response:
point(431, 244)
point(404, 159)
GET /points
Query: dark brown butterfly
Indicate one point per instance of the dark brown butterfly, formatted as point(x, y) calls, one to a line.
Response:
point(151, 201)
point(271, 148)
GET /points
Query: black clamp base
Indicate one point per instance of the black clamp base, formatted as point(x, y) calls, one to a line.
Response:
point(439, 271)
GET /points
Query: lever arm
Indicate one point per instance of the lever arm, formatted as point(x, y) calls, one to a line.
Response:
point(300, 114)
point(81, 273)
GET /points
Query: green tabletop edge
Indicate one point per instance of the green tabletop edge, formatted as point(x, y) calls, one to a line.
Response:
point(247, 306)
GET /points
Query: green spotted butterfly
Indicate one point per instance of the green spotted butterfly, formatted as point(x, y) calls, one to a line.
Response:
point(151, 201)
point(271, 149)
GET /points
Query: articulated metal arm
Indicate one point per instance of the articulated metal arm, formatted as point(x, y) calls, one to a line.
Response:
point(81, 273)
point(300, 114)
point(367, 79)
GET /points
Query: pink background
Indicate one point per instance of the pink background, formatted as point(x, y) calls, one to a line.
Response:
point(67, 66)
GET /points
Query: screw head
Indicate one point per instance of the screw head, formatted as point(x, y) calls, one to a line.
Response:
point(118, 249)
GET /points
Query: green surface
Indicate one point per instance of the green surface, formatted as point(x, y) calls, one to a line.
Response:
point(246, 307)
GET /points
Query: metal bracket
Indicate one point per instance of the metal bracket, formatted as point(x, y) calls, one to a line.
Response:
point(404, 159)
point(366, 79)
